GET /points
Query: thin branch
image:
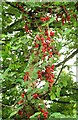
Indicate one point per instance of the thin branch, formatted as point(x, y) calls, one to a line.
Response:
point(64, 102)
point(8, 105)
point(9, 3)
point(65, 10)
point(67, 58)
point(8, 29)
point(59, 74)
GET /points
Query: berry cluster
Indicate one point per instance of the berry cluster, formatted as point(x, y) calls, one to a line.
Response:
point(44, 19)
point(63, 18)
point(20, 112)
point(26, 76)
point(20, 7)
point(48, 73)
point(35, 96)
point(44, 112)
point(45, 42)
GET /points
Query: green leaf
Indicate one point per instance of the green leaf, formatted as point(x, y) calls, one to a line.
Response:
point(31, 58)
point(6, 72)
point(57, 115)
point(36, 114)
point(34, 73)
point(64, 83)
point(58, 89)
point(67, 31)
point(52, 96)
point(19, 80)
point(14, 112)
point(45, 88)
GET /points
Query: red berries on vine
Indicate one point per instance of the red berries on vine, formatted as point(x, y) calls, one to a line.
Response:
point(35, 96)
point(47, 18)
point(36, 45)
point(26, 76)
point(52, 33)
point(63, 20)
point(43, 19)
point(53, 66)
point(39, 74)
point(22, 95)
point(46, 32)
point(20, 112)
point(68, 17)
point(45, 113)
point(26, 28)
point(51, 80)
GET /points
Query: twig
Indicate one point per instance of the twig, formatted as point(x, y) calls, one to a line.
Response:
point(59, 74)
point(67, 58)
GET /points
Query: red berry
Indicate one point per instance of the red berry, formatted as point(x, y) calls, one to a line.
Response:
point(26, 28)
point(52, 33)
point(22, 95)
point(17, 4)
point(50, 80)
point(42, 39)
point(42, 110)
point(46, 32)
point(48, 48)
point(20, 112)
point(43, 50)
point(23, 10)
point(53, 66)
point(25, 78)
point(63, 20)
point(39, 74)
point(36, 45)
point(43, 19)
point(51, 53)
point(35, 96)
point(68, 17)
point(47, 70)
point(48, 38)
point(21, 7)
point(47, 18)
point(37, 37)
point(27, 73)
point(45, 113)
point(52, 75)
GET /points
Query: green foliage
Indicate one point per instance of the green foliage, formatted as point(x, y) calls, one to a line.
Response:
point(19, 56)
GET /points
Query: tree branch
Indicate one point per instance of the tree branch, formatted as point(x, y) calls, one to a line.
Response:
point(8, 29)
point(59, 74)
point(64, 102)
point(67, 58)
point(9, 3)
